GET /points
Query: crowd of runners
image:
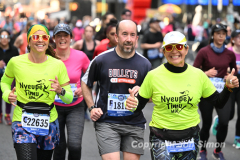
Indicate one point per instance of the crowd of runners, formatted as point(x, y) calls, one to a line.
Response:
point(54, 76)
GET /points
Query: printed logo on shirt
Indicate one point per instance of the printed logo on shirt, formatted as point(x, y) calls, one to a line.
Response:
point(123, 75)
point(35, 91)
point(177, 104)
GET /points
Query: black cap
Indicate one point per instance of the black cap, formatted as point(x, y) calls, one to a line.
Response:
point(152, 20)
point(235, 33)
point(218, 27)
point(62, 27)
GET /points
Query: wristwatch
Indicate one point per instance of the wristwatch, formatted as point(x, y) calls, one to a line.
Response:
point(62, 92)
point(89, 109)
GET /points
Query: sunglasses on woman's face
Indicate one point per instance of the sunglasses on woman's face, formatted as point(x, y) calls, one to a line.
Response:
point(36, 37)
point(5, 36)
point(169, 48)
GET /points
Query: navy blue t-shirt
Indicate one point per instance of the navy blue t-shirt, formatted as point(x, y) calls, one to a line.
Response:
point(116, 75)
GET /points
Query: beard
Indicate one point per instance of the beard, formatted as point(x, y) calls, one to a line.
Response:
point(125, 50)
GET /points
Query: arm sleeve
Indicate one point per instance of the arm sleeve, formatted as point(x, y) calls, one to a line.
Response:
point(145, 92)
point(7, 80)
point(141, 103)
point(62, 79)
point(68, 97)
point(199, 59)
point(219, 99)
point(6, 87)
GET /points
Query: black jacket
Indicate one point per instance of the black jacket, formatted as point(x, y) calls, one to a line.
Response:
point(8, 54)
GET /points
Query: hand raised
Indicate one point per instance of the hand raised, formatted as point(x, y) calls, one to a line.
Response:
point(55, 85)
point(231, 80)
point(131, 102)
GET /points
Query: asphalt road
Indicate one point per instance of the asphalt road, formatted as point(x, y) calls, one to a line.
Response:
point(90, 149)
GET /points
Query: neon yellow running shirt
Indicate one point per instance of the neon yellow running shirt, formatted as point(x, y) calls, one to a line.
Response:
point(176, 96)
point(32, 81)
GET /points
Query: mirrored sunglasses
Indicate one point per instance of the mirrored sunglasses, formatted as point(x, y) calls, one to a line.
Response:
point(169, 48)
point(36, 37)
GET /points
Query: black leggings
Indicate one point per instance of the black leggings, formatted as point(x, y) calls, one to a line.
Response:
point(29, 151)
point(223, 115)
point(72, 118)
point(235, 96)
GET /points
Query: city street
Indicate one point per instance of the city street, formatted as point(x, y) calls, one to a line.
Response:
point(90, 149)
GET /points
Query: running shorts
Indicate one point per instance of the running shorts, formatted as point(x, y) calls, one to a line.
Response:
point(112, 137)
point(48, 142)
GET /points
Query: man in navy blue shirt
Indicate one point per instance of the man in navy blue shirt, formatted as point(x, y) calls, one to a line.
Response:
point(116, 70)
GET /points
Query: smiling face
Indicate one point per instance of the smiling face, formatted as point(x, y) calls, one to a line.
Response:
point(176, 57)
point(40, 45)
point(62, 40)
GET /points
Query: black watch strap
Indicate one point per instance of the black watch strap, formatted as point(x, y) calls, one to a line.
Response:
point(62, 92)
point(89, 109)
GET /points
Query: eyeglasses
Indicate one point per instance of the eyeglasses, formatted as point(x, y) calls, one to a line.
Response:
point(5, 36)
point(169, 48)
point(36, 37)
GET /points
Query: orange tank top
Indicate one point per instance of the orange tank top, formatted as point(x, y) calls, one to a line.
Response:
point(23, 47)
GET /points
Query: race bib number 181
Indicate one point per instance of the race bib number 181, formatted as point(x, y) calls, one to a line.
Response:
point(116, 106)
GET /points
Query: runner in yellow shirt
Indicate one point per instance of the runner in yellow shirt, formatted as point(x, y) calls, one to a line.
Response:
point(39, 77)
point(176, 88)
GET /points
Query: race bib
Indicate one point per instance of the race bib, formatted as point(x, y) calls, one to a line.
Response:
point(238, 63)
point(180, 146)
point(218, 83)
point(152, 53)
point(116, 105)
point(74, 88)
point(37, 124)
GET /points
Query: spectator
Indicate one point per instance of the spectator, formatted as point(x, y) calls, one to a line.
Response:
point(151, 43)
